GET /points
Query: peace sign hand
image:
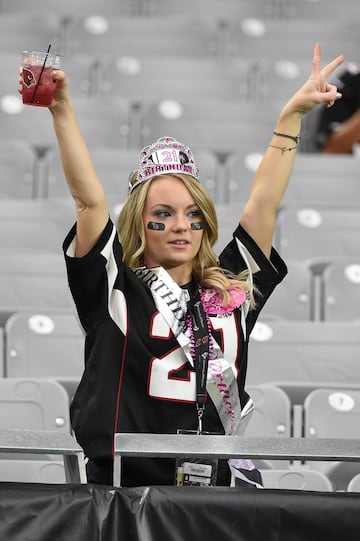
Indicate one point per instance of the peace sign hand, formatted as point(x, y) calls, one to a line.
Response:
point(316, 89)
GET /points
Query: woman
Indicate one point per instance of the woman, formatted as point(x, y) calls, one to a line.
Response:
point(167, 325)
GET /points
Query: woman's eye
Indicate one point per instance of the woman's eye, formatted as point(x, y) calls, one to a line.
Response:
point(195, 213)
point(162, 213)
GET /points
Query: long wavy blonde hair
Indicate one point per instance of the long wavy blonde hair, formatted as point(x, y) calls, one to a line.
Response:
point(205, 268)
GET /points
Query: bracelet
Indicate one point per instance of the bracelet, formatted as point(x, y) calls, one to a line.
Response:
point(295, 138)
point(283, 149)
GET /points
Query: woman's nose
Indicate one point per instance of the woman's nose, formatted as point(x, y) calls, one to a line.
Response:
point(180, 224)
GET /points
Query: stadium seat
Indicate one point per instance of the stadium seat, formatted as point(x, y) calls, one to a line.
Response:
point(316, 232)
point(106, 122)
point(170, 35)
point(17, 170)
point(33, 404)
point(274, 39)
point(272, 411)
point(354, 484)
point(298, 391)
point(2, 362)
point(317, 180)
point(304, 352)
point(211, 7)
point(180, 77)
point(113, 167)
point(31, 471)
point(295, 297)
point(43, 345)
point(35, 225)
point(309, 9)
point(341, 290)
point(324, 180)
point(32, 125)
point(213, 124)
point(296, 479)
point(30, 444)
point(69, 8)
point(33, 281)
point(27, 29)
point(333, 413)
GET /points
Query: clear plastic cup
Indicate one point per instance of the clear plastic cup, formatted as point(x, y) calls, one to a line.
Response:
point(38, 86)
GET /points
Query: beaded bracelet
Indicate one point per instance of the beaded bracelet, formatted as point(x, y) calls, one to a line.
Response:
point(295, 138)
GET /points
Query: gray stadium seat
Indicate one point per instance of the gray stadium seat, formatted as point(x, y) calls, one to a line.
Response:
point(272, 39)
point(213, 124)
point(33, 404)
point(180, 77)
point(316, 232)
point(30, 29)
point(31, 471)
point(272, 413)
point(32, 281)
point(310, 9)
point(317, 180)
point(35, 225)
point(333, 413)
point(43, 345)
point(341, 290)
point(32, 444)
point(296, 479)
point(69, 7)
point(294, 298)
point(354, 484)
point(113, 167)
point(170, 35)
point(298, 391)
point(28, 124)
point(212, 7)
point(271, 417)
point(106, 122)
point(17, 170)
point(304, 352)
point(1, 352)
point(324, 180)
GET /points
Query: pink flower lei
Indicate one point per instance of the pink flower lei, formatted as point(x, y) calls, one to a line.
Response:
point(212, 301)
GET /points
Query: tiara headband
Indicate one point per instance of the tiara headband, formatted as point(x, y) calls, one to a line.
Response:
point(165, 157)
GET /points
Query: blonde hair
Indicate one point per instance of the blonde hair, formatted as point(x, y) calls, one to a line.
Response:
point(205, 269)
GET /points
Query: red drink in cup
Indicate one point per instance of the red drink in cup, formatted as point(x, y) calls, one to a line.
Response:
point(38, 86)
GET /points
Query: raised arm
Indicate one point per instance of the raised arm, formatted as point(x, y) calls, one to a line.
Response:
point(273, 174)
point(84, 185)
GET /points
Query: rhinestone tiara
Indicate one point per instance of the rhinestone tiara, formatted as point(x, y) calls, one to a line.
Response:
point(165, 157)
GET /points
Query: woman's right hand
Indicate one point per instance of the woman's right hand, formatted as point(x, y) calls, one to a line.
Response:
point(62, 88)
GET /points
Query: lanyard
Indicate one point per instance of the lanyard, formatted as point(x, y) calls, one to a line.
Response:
point(200, 351)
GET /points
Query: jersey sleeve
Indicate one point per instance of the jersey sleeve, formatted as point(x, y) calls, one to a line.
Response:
point(242, 253)
point(92, 277)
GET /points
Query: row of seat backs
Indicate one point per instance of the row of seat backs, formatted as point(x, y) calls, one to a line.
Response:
point(43, 404)
point(282, 9)
point(34, 281)
point(315, 181)
point(188, 32)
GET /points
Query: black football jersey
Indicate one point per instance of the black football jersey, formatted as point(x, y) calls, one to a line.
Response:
point(136, 376)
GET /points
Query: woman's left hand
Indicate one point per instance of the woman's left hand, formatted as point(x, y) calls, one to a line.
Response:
point(316, 90)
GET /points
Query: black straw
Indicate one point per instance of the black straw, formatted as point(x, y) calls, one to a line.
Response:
point(41, 72)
